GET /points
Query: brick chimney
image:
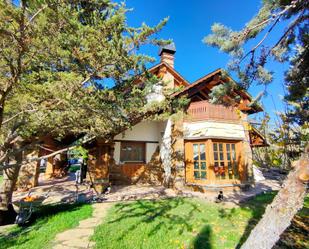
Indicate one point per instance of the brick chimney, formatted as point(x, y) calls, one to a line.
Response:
point(167, 53)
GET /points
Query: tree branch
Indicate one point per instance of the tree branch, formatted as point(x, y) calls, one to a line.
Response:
point(34, 16)
point(33, 159)
point(16, 115)
point(292, 26)
point(287, 8)
point(262, 40)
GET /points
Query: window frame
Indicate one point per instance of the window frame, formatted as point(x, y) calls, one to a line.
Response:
point(132, 143)
point(237, 165)
point(200, 161)
point(225, 165)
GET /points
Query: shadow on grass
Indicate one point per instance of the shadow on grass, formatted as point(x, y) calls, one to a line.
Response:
point(40, 217)
point(204, 239)
point(170, 220)
point(152, 211)
point(164, 214)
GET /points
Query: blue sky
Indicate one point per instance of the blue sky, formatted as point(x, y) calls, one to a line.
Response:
point(190, 22)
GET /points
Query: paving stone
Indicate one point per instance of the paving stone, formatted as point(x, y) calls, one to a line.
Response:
point(79, 243)
point(79, 237)
point(74, 233)
point(89, 223)
point(60, 246)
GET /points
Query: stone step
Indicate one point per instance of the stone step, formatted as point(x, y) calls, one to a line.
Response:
point(119, 181)
point(115, 175)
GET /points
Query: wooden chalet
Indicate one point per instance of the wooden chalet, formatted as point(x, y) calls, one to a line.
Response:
point(211, 147)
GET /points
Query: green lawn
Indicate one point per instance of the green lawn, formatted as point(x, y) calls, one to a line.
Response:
point(53, 220)
point(170, 223)
point(179, 223)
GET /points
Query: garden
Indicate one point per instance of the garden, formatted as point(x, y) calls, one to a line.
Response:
point(163, 223)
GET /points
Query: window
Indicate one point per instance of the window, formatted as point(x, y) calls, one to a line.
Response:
point(219, 160)
point(211, 161)
point(199, 161)
point(225, 164)
point(133, 152)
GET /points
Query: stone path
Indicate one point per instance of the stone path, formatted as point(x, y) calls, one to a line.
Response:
point(137, 192)
point(79, 237)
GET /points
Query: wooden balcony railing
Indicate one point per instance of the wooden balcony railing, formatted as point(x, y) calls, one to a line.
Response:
point(203, 110)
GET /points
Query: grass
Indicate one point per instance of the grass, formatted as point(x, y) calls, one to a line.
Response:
point(169, 223)
point(179, 223)
point(1, 179)
point(40, 234)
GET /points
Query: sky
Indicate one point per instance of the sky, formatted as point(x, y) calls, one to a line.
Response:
point(189, 22)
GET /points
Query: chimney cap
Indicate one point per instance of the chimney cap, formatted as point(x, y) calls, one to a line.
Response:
point(169, 48)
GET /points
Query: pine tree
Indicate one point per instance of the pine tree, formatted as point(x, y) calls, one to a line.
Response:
point(251, 68)
point(55, 56)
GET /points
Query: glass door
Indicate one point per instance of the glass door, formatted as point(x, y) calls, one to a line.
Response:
point(199, 161)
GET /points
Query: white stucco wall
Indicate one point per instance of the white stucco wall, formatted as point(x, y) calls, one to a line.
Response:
point(143, 131)
point(209, 129)
point(148, 131)
point(150, 150)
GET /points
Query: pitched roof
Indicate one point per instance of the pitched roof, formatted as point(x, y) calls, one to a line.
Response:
point(207, 79)
point(199, 81)
point(171, 69)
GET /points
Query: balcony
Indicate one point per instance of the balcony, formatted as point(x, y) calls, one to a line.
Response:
point(203, 110)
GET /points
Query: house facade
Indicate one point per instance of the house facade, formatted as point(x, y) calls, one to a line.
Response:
point(209, 147)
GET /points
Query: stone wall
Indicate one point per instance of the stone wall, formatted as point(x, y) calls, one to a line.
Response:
point(247, 155)
point(100, 157)
point(178, 156)
point(153, 172)
point(29, 173)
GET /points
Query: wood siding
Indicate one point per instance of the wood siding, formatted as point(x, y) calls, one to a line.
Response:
point(132, 170)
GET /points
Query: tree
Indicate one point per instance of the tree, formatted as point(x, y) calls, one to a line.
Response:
point(251, 68)
point(54, 58)
point(285, 146)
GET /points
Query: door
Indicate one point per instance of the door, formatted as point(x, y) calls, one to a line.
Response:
point(225, 164)
point(213, 162)
point(197, 161)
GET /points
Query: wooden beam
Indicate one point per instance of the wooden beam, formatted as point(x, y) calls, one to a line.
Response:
point(204, 94)
point(196, 98)
point(197, 89)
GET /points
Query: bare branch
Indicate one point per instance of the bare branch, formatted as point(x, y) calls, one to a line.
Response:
point(274, 16)
point(262, 40)
point(16, 115)
point(300, 18)
point(34, 16)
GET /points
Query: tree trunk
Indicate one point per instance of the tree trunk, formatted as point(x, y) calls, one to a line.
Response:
point(10, 176)
point(280, 212)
